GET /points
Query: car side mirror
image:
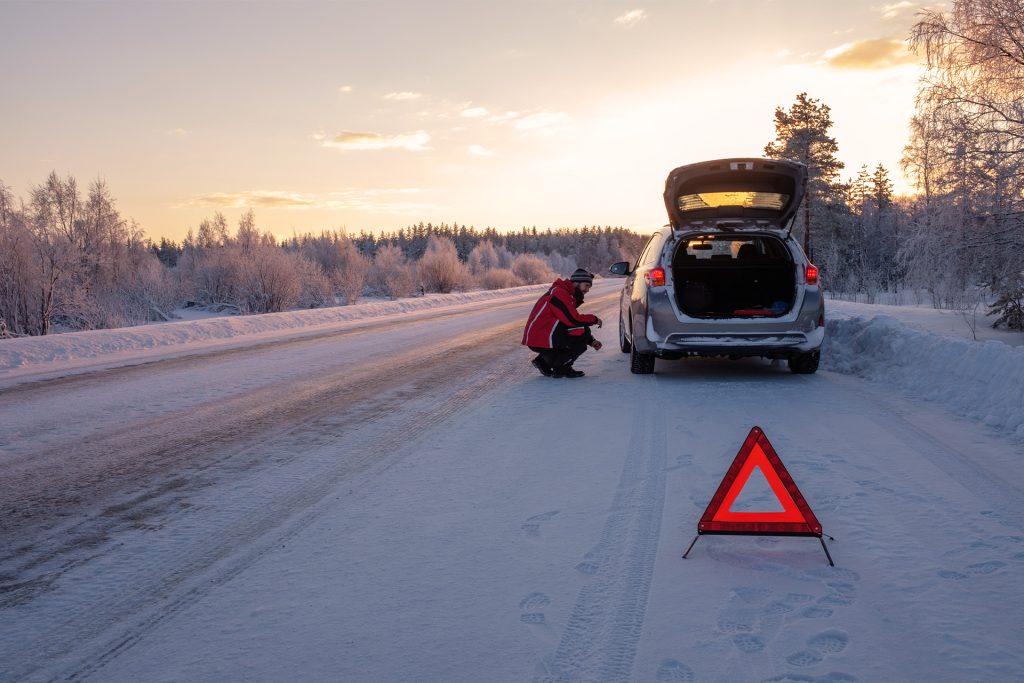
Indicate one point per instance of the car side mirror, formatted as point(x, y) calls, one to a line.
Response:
point(619, 268)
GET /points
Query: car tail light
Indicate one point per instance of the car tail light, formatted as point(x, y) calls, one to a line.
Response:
point(811, 276)
point(655, 277)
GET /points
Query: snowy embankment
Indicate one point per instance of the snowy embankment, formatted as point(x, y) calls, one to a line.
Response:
point(982, 380)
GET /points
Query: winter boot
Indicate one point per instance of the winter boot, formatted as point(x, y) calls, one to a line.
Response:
point(541, 365)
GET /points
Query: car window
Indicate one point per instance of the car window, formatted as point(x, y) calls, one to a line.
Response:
point(755, 200)
point(647, 248)
point(652, 251)
point(738, 248)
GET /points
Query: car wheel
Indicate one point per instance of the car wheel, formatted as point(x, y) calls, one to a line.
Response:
point(641, 363)
point(805, 363)
point(624, 344)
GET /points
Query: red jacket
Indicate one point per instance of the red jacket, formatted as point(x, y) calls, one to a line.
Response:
point(554, 318)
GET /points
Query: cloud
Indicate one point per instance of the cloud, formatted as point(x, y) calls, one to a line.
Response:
point(378, 201)
point(414, 142)
point(507, 116)
point(345, 89)
point(544, 121)
point(896, 9)
point(266, 199)
point(631, 18)
point(178, 132)
point(480, 151)
point(399, 96)
point(474, 112)
point(877, 53)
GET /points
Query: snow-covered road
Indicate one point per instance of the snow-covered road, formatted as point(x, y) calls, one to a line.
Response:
point(406, 499)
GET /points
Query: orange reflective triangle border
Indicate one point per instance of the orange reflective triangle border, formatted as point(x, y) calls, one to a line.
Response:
point(795, 518)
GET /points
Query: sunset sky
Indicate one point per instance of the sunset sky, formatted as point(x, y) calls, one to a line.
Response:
point(373, 115)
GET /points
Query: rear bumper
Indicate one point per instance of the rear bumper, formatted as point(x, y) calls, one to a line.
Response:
point(770, 345)
point(664, 332)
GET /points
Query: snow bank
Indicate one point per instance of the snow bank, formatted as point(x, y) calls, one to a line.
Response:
point(72, 346)
point(980, 380)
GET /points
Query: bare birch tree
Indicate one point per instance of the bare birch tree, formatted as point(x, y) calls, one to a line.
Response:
point(967, 142)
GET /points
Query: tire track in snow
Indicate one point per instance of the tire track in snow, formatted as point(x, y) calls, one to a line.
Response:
point(601, 636)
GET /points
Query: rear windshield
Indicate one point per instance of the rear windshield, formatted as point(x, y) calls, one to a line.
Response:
point(748, 200)
point(739, 248)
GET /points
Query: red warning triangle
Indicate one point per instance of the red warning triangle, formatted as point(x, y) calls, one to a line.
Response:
point(795, 519)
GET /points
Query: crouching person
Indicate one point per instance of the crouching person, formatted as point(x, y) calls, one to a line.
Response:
point(557, 331)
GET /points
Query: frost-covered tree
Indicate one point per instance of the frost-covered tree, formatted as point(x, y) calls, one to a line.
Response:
point(967, 139)
point(353, 268)
point(392, 274)
point(440, 268)
point(498, 278)
point(531, 270)
point(483, 257)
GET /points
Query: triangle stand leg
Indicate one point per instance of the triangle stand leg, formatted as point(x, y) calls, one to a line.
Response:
point(823, 547)
point(692, 544)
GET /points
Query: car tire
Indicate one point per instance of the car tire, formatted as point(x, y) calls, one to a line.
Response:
point(624, 344)
point(641, 363)
point(805, 363)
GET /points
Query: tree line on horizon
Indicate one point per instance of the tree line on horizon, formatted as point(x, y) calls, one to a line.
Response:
point(70, 262)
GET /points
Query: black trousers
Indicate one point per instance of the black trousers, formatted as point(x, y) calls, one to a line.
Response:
point(564, 357)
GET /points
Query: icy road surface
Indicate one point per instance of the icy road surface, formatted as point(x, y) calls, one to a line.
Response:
point(405, 499)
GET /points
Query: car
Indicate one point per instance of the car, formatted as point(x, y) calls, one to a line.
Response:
point(725, 277)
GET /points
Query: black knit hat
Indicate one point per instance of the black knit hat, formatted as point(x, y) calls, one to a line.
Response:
point(582, 276)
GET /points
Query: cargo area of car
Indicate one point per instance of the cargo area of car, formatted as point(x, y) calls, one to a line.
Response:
point(733, 276)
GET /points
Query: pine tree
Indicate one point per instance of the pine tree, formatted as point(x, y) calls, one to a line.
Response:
point(801, 134)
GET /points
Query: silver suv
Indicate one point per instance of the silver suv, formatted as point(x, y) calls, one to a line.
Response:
point(725, 277)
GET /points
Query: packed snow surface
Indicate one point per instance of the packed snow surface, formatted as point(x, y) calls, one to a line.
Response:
point(389, 492)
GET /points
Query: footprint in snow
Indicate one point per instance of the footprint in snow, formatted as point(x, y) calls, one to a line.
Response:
point(729, 625)
point(836, 677)
point(531, 606)
point(971, 570)
point(778, 608)
point(828, 642)
point(830, 677)
point(992, 514)
point(681, 461)
point(818, 646)
point(748, 642)
point(833, 574)
point(836, 600)
point(804, 658)
point(671, 671)
point(951, 575)
point(532, 525)
point(984, 567)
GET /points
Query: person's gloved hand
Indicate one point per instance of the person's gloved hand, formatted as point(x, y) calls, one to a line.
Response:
point(599, 323)
point(597, 345)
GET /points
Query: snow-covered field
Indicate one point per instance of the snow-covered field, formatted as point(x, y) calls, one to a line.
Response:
point(388, 492)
